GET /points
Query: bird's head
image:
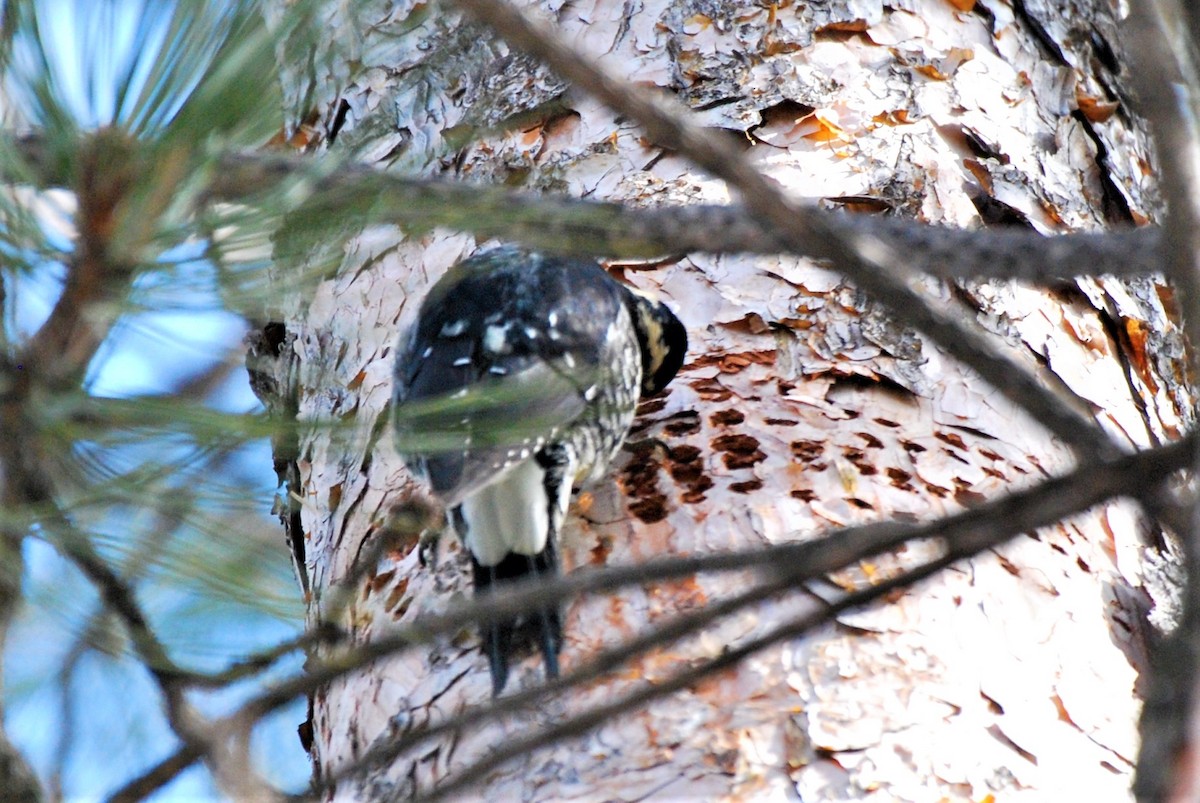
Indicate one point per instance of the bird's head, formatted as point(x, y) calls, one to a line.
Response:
point(663, 341)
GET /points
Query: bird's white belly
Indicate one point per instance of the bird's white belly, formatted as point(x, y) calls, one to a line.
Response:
point(508, 515)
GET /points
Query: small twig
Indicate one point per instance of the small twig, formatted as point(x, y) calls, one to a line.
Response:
point(118, 597)
point(157, 776)
point(202, 383)
point(67, 721)
point(259, 662)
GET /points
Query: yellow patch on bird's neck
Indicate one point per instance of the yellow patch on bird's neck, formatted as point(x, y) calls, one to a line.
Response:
point(656, 342)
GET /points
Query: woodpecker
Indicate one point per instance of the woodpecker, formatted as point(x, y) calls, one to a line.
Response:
point(516, 383)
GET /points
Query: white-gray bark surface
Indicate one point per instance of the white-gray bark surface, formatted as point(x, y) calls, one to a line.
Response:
point(803, 404)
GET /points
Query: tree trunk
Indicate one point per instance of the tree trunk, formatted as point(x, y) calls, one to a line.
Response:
point(803, 405)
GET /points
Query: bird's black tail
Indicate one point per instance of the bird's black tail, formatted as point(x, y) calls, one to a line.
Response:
point(541, 626)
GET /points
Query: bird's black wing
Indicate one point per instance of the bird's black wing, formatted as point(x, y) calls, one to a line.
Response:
point(501, 358)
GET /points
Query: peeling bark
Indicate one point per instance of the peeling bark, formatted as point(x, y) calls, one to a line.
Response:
point(802, 405)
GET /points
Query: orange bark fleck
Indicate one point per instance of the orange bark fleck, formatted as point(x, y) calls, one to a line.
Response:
point(980, 173)
point(1137, 334)
point(952, 438)
point(735, 362)
point(846, 26)
point(931, 71)
point(821, 126)
point(1095, 109)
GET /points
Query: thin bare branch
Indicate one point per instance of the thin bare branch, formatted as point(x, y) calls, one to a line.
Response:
point(865, 258)
point(259, 662)
point(68, 722)
point(606, 661)
point(1044, 504)
point(119, 597)
point(581, 724)
point(594, 228)
point(974, 529)
point(612, 230)
point(1166, 77)
point(157, 776)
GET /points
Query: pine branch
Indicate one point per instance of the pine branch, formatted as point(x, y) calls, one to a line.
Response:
point(58, 354)
point(1041, 505)
point(30, 486)
point(617, 231)
point(118, 597)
